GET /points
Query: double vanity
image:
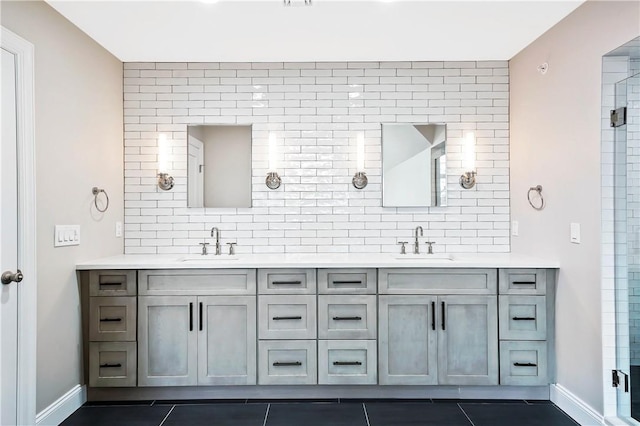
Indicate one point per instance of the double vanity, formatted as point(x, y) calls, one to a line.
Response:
point(318, 326)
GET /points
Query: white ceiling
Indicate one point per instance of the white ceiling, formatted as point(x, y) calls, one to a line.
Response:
point(329, 30)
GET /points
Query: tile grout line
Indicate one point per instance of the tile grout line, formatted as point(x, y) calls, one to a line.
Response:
point(465, 414)
point(266, 415)
point(167, 416)
point(366, 415)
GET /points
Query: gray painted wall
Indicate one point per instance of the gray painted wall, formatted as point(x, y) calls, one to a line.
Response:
point(555, 142)
point(78, 128)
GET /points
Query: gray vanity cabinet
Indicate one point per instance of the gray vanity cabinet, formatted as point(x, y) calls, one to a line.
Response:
point(206, 340)
point(206, 336)
point(438, 327)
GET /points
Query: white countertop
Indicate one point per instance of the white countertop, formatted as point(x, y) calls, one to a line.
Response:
point(319, 260)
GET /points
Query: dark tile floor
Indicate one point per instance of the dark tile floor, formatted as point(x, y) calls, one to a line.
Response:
point(320, 413)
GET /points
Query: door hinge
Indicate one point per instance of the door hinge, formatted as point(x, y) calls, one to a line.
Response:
point(615, 379)
point(618, 117)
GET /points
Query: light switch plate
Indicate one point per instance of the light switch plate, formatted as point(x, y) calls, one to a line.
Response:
point(66, 235)
point(515, 228)
point(118, 229)
point(575, 233)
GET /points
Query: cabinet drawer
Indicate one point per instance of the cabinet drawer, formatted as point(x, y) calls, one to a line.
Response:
point(112, 364)
point(112, 283)
point(523, 317)
point(523, 363)
point(343, 362)
point(287, 317)
point(523, 281)
point(112, 319)
point(287, 281)
point(437, 281)
point(290, 362)
point(346, 317)
point(201, 282)
point(347, 281)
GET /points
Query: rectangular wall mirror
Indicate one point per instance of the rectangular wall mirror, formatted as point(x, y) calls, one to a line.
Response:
point(219, 166)
point(414, 165)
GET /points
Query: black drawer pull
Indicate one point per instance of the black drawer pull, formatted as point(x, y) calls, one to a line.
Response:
point(286, 318)
point(110, 284)
point(287, 364)
point(110, 319)
point(359, 282)
point(347, 318)
point(347, 363)
point(286, 282)
point(523, 318)
point(523, 283)
point(525, 364)
point(118, 365)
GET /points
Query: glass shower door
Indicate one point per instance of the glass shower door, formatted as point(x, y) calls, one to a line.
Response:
point(627, 244)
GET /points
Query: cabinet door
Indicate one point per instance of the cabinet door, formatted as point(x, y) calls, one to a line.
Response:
point(227, 340)
point(468, 340)
point(407, 340)
point(167, 341)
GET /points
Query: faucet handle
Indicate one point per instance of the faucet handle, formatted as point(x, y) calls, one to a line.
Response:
point(232, 249)
point(403, 249)
point(204, 248)
point(429, 246)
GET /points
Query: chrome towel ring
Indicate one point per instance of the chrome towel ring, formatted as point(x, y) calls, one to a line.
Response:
point(96, 191)
point(537, 189)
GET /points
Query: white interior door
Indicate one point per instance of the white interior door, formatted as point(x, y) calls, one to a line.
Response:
point(195, 176)
point(8, 245)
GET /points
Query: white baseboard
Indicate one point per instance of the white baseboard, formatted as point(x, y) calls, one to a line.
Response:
point(57, 412)
point(579, 410)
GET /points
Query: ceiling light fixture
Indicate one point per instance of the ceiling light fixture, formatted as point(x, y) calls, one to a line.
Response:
point(297, 2)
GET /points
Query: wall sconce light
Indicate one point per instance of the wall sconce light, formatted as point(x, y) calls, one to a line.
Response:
point(360, 179)
point(468, 178)
point(273, 181)
point(165, 180)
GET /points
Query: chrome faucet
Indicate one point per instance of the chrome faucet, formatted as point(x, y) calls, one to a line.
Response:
point(217, 232)
point(416, 244)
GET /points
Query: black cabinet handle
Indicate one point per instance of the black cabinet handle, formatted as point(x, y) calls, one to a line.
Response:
point(525, 364)
point(286, 318)
point(110, 284)
point(443, 314)
point(110, 365)
point(110, 319)
point(286, 282)
point(287, 364)
point(347, 363)
point(523, 318)
point(347, 282)
point(200, 316)
point(347, 318)
point(433, 315)
point(523, 282)
point(190, 316)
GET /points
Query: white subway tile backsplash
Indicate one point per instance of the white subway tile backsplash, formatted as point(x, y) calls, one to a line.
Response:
point(317, 109)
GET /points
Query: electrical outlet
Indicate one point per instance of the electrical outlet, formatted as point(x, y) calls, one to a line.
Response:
point(66, 235)
point(515, 228)
point(118, 229)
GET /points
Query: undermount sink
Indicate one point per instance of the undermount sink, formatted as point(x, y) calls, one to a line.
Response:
point(207, 258)
point(424, 257)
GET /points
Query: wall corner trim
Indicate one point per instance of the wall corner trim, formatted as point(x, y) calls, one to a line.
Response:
point(63, 407)
point(576, 408)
